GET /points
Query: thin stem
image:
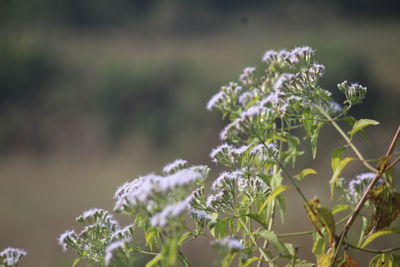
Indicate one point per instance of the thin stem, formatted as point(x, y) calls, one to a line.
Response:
point(308, 232)
point(295, 234)
point(253, 240)
point(375, 251)
point(393, 143)
point(147, 252)
point(285, 172)
point(348, 140)
point(364, 198)
point(394, 163)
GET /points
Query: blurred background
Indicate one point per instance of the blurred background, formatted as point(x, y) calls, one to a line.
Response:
point(93, 93)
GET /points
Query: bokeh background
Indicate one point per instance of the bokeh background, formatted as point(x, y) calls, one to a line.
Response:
point(93, 93)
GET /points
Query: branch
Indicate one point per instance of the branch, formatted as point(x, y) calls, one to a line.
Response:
point(348, 140)
point(375, 251)
point(362, 201)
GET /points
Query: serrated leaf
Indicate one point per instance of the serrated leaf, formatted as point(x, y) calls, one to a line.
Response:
point(335, 177)
point(271, 237)
point(339, 208)
point(360, 124)
point(258, 219)
point(324, 260)
point(278, 190)
point(305, 172)
point(382, 232)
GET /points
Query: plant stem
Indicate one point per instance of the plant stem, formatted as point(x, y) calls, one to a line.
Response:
point(285, 172)
point(375, 251)
point(363, 199)
point(253, 240)
point(308, 232)
point(295, 234)
point(348, 140)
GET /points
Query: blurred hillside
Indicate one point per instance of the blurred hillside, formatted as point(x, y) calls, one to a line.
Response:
point(95, 92)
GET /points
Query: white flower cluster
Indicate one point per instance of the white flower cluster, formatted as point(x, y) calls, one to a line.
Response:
point(288, 57)
point(170, 211)
point(235, 184)
point(100, 229)
point(355, 93)
point(290, 85)
point(98, 216)
point(225, 98)
point(230, 243)
point(357, 185)
point(247, 75)
point(230, 155)
point(354, 189)
point(161, 198)
point(143, 192)
point(175, 166)
point(201, 217)
point(10, 257)
point(228, 180)
point(123, 233)
point(116, 251)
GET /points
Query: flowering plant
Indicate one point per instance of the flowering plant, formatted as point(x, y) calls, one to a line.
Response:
point(265, 111)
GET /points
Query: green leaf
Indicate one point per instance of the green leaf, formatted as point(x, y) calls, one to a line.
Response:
point(149, 237)
point(349, 120)
point(384, 260)
point(305, 172)
point(312, 128)
point(183, 238)
point(327, 220)
point(339, 208)
point(250, 261)
point(324, 260)
point(336, 155)
point(76, 261)
point(278, 190)
point(221, 228)
point(170, 252)
point(311, 209)
point(319, 245)
point(382, 232)
point(360, 124)
point(321, 216)
point(335, 178)
point(258, 219)
point(271, 237)
point(154, 261)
